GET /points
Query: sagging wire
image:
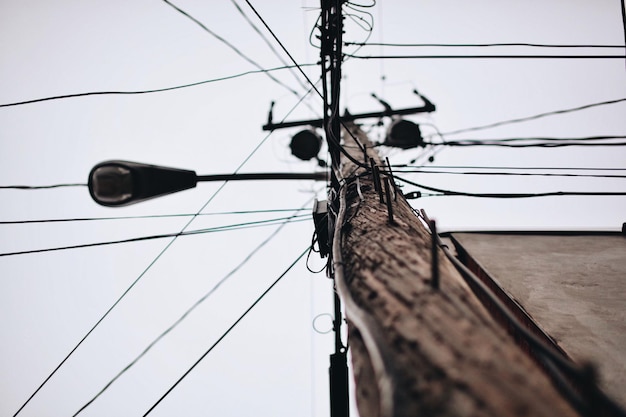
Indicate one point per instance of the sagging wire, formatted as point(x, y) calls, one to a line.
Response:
point(365, 24)
point(230, 45)
point(316, 25)
point(155, 90)
point(362, 23)
point(314, 240)
point(267, 42)
point(369, 31)
point(283, 48)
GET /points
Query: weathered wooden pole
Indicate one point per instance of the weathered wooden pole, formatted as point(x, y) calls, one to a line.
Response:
point(419, 349)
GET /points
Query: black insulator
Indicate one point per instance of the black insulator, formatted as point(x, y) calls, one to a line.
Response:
point(404, 134)
point(306, 144)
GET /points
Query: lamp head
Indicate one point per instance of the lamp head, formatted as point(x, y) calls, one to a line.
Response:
point(119, 183)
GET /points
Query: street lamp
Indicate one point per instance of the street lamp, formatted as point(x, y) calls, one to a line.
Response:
point(120, 183)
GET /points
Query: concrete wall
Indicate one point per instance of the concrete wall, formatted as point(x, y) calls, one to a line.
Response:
point(573, 286)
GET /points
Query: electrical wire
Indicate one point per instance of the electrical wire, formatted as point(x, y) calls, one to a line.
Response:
point(283, 48)
point(267, 42)
point(481, 45)
point(313, 86)
point(520, 174)
point(331, 140)
point(156, 90)
point(511, 195)
point(176, 384)
point(193, 307)
point(536, 139)
point(534, 117)
point(38, 187)
point(311, 33)
point(534, 142)
point(381, 63)
point(227, 331)
point(532, 145)
point(149, 216)
point(493, 56)
point(230, 45)
point(230, 227)
point(512, 167)
point(368, 24)
point(154, 260)
point(623, 7)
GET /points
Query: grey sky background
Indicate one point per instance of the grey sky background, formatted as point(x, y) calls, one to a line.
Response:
point(273, 363)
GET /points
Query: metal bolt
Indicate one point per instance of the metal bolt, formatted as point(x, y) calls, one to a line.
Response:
point(434, 264)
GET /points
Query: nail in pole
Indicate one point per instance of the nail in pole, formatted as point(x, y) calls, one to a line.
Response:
point(434, 256)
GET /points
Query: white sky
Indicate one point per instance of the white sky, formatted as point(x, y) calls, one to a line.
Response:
point(273, 363)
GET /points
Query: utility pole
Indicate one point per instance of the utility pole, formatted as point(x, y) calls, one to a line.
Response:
point(331, 57)
point(422, 344)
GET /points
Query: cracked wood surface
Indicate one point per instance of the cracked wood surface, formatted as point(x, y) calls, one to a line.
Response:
point(448, 356)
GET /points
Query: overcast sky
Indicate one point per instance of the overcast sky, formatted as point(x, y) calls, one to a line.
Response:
point(273, 363)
